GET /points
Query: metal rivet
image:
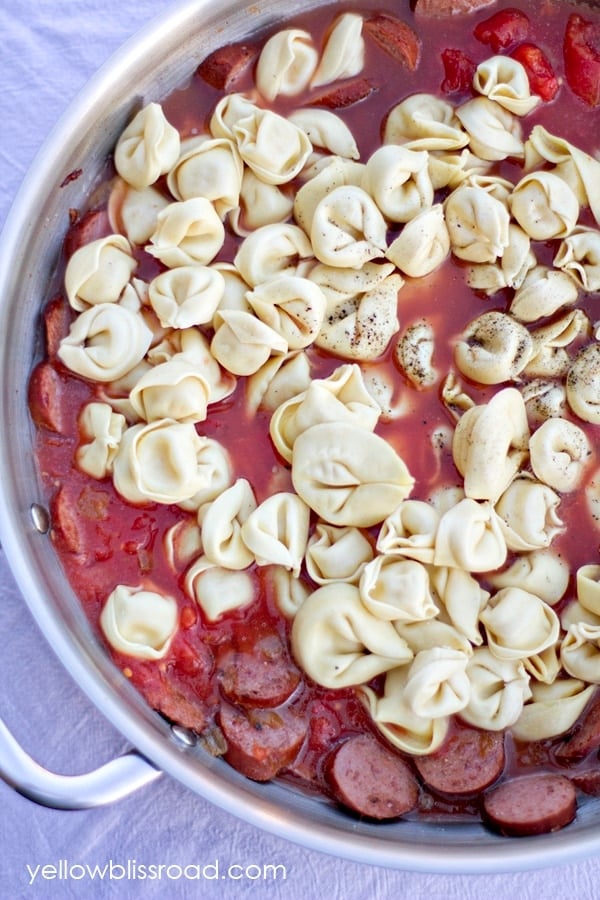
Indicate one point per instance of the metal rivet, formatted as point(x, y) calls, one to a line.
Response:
point(183, 735)
point(40, 518)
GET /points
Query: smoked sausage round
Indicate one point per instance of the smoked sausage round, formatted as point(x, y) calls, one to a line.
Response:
point(371, 780)
point(532, 804)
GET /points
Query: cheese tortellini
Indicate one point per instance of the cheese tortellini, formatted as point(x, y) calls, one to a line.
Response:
point(158, 462)
point(105, 342)
point(332, 472)
point(478, 224)
point(147, 148)
point(347, 228)
point(339, 643)
point(342, 397)
point(139, 622)
point(490, 444)
point(102, 430)
point(286, 63)
point(505, 80)
point(344, 51)
point(98, 272)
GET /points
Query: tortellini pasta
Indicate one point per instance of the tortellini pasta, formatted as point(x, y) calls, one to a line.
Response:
point(494, 348)
point(490, 444)
point(422, 245)
point(339, 643)
point(398, 180)
point(326, 130)
point(186, 295)
point(347, 228)
point(139, 622)
point(414, 352)
point(425, 122)
point(147, 148)
point(98, 272)
point(344, 51)
point(510, 271)
point(134, 213)
point(158, 462)
point(286, 63)
point(172, 390)
point(260, 204)
point(477, 223)
point(579, 256)
point(493, 133)
point(221, 525)
point(505, 81)
point(105, 342)
point(342, 397)
point(559, 452)
point(188, 232)
point(218, 591)
point(544, 206)
point(362, 325)
point(580, 649)
point(583, 384)
point(271, 251)
point(550, 356)
point(293, 306)
point(588, 587)
point(518, 624)
point(541, 572)
point(273, 147)
point(332, 472)
point(528, 511)
point(397, 589)
point(461, 599)
point(409, 731)
point(102, 430)
point(278, 380)
point(498, 690)
point(469, 537)
point(553, 710)
point(410, 531)
point(242, 343)
point(337, 554)
point(543, 292)
point(216, 474)
point(193, 345)
point(276, 532)
point(211, 168)
point(580, 170)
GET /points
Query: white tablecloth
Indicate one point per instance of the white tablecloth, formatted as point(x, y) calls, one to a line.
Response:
point(48, 51)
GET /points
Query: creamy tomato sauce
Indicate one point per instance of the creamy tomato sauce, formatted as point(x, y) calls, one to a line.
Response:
point(103, 541)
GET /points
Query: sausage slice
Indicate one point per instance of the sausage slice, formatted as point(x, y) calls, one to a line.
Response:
point(371, 780)
point(263, 676)
point(532, 804)
point(584, 738)
point(468, 763)
point(46, 397)
point(261, 742)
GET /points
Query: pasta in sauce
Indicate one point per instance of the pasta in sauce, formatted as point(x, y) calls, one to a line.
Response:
point(300, 363)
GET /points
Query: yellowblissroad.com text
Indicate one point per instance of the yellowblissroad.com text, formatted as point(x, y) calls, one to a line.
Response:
point(132, 870)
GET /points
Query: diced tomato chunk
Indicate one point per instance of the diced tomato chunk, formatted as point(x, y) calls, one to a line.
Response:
point(582, 58)
point(542, 79)
point(458, 71)
point(505, 28)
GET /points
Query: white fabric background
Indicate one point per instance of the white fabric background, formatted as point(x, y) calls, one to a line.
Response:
point(48, 50)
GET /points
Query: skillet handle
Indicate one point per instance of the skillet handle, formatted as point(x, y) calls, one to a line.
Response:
point(112, 781)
